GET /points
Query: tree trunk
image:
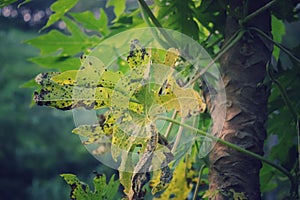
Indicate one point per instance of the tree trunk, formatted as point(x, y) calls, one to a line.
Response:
point(243, 70)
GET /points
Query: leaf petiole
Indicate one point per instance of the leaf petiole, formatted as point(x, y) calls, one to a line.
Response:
point(233, 146)
point(231, 42)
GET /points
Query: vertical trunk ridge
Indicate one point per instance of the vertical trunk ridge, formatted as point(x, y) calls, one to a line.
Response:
point(243, 70)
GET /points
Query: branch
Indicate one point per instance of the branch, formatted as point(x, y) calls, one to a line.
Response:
point(231, 42)
point(148, 11)
point(198, 181)
point(284, 95)
point(280, 46)
point(258, 11)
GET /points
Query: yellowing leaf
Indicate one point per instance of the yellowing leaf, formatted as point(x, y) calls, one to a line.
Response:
point(186, 101)
point(178, 188)
point(125, 171)
point(211, 194)
point(96, 131)
point(171, 57)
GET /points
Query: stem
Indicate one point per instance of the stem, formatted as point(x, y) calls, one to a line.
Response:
point(170, 125)
point(198, 181)
point(258, 11)
point(178, 136)
point(231, 42)
point(284, 96)
point(148, 11)
point(290, 107)
point(146, 19)
point(280, 46)
point(235, 147)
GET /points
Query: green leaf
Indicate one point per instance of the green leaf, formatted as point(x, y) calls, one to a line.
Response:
point(112, 188)
point(102, 190)
point(119, 6)
point(57, 62)
point(178, 15)
point(211, 14)
point(4, 3)
point(267, 178)
point(278, 30)
point(59, 7)
point(66, 45)
point(88, 21)
point(29, 84)
point(79, 190)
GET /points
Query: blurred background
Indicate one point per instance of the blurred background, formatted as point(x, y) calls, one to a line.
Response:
point(36, 142)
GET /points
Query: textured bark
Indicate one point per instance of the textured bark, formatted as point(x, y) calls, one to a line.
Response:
point(243, 70)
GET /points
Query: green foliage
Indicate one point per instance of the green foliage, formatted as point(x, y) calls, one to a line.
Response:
point(88, 21)
point(60, 7)
point(119, 6)
point(278, 30)
point(178, 15)
point(34, 137)
point(102, 190)
point(62, 63)
point(4, 3)
point(66, 45)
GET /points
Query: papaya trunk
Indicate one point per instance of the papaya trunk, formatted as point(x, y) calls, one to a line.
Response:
point(243, 70)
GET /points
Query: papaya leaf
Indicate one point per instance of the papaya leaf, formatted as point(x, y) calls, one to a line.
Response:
point(238, 195)
point(211, 194)
point(185, 100)
point(278, 30)
point(178, 15)
point(102, 190)
point(79, 190)
point(96, 131)
point(88, 21)
point(66, 45)
point(29, 84)
point(67, 96)
point(267, 178)
point(133, 100)
point(4, 3)
point(125, 172)
point(57, 62)
point(119, 6)
point(178, 187)
point(162, 178)
point(59, 7)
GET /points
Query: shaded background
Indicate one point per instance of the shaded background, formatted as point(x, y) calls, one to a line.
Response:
point(36, 142)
